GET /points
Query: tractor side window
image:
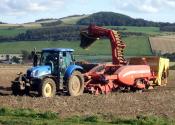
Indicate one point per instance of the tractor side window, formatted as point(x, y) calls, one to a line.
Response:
point(44, 58)
point(62, 60)
point(64, 54)
point(69, 58)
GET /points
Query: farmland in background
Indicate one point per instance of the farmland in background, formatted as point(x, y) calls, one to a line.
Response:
point(136, 29)
point(163, 44)
point(26, 25)
point(12, 31)
point(15, 30)
point(136, 46)
point(72, 19)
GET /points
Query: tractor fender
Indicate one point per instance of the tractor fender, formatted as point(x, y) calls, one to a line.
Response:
point(70, 69)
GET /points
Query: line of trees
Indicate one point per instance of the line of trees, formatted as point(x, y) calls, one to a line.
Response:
point(54, 23)
point(45, 19)
point(70, 33)
point(51, 33)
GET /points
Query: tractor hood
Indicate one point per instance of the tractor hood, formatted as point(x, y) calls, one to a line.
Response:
point(38, 71)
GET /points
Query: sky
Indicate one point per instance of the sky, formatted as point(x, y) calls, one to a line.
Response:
point(22, 11)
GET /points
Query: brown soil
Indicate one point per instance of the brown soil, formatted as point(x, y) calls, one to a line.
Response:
point(158, 43)
point(159, 102)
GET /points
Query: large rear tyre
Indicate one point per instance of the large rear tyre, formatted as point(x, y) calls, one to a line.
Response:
point(47, 88)
point(164, 78)
point(76, 84)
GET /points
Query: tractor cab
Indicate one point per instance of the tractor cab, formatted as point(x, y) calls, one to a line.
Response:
point(53, 61)
point(57, 58)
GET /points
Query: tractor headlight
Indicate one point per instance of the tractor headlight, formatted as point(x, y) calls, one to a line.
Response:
point(35, 73)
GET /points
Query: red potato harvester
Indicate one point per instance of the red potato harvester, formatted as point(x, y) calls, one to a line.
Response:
point(120, 75)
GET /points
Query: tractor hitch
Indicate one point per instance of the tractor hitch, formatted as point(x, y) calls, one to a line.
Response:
point(20, 85)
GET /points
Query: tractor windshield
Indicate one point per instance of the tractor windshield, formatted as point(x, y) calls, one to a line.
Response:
point(48, 57)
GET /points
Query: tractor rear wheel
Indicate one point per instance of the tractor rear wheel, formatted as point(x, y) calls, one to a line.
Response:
point(76, 84)
point(47, 88)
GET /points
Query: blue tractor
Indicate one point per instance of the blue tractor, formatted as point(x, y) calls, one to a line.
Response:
point(56, 72)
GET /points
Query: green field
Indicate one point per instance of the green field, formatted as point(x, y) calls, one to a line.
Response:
point(136, 46)
point(31, 117)
point(14, 30)
point(147, 30)
point(11, 31)
point(26, 25)
point(136, 29)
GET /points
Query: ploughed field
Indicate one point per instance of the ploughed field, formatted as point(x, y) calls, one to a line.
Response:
point(158, 43)
point(159, 102)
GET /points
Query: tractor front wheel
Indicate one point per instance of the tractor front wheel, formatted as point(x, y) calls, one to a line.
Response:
point(47, 88)
point(76, 84)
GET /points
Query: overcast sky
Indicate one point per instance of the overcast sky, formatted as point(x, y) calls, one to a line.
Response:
point(20, 11)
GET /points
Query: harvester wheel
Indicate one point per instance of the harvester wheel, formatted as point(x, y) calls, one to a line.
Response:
point(76, 84)
point(164, 78)
point(47, 88)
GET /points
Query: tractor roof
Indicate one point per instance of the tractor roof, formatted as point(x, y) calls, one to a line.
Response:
point(58, 49)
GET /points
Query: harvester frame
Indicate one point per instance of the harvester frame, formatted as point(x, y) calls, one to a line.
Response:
point(120, 75)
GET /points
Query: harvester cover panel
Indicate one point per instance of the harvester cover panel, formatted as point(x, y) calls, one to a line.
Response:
point(128, 74)
point(159, 66)
point(163, 67)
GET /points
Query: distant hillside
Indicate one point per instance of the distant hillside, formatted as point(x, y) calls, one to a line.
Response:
point(73, 19)
point(101, 19)
point(68, 28)
point(70, 20)
point(74, 16)
point(116, 19)
point(46, 20)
